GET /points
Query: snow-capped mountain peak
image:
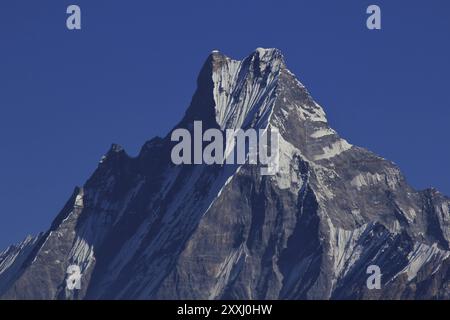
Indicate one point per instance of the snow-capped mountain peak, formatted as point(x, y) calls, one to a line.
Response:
point(145, 228)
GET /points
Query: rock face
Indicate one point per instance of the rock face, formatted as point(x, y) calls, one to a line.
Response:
point(144, 228)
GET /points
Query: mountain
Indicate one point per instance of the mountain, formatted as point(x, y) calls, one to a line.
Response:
point(144, 228)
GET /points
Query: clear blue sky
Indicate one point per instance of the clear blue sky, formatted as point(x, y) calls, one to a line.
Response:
point(129, 74)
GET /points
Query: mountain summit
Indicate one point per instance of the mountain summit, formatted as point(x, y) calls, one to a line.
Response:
point(144, 228)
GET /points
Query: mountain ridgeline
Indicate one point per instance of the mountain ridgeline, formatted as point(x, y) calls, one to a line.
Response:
point(144, 228)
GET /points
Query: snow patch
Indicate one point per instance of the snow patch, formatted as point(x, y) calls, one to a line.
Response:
point(322, 133)
point(344, 251)
point(421, 255)
point(288, 176)
point(366, 179)
point(333, 150)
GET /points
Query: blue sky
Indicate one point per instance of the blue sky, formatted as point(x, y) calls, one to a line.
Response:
point(129, 75)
